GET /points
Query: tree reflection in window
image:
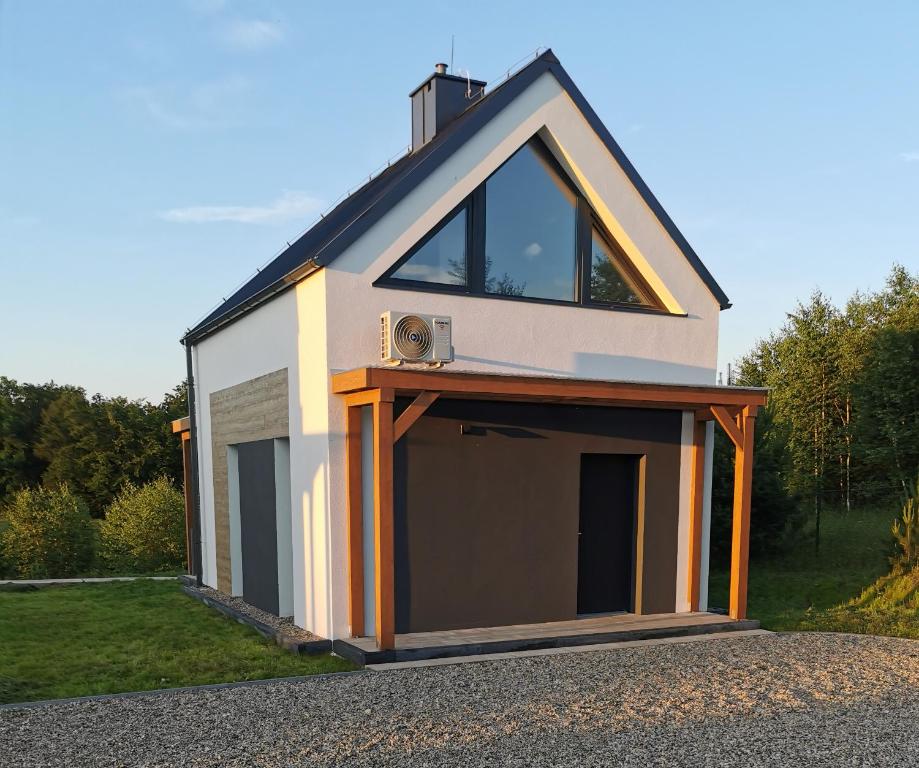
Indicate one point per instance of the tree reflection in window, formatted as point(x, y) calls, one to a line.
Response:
point(608, 285)
point(503, 286)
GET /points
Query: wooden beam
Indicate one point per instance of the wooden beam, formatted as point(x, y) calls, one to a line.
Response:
point(695, 514)
point(740, 528)
point(364, 397)
point(355, 512)
point(181, 425)
point(704, 414)
point(728, 425)
point(350, 381)
point(414, 412)
point(383, 524)
point(497, 386)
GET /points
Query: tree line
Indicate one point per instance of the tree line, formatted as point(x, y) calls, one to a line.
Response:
point(842, 425)
point(53, 435)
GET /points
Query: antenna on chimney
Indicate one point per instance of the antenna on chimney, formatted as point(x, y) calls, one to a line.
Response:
point(452, 40)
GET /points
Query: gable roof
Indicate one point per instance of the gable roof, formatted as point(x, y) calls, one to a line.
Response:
point(341, 227)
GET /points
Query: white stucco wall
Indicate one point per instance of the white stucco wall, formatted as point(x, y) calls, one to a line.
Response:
point(288, 332)
point(258, 344)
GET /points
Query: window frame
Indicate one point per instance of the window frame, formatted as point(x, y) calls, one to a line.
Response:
point(586, 221)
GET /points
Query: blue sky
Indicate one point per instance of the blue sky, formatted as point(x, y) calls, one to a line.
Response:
point(153, 154)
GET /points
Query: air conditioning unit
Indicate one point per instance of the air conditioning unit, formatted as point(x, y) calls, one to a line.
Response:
point(412, 338)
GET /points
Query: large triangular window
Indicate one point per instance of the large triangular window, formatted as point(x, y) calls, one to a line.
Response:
point(527, 233)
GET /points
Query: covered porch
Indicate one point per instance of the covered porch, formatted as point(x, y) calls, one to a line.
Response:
point(733, 408)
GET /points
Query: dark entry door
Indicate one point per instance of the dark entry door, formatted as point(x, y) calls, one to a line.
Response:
point(606, 532)
point(258, 524)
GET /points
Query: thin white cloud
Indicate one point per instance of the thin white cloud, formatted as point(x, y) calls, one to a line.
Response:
point(251, 34)
point(205, 106)
point(290, 205)
point(909, 157)
point(533, 250)
point(156, 108)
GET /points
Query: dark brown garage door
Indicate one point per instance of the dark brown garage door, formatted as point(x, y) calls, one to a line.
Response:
point(487, 510)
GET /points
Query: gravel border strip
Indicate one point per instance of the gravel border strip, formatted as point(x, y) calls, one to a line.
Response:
point(283, 639)
point(184, 689)
point(283, 624)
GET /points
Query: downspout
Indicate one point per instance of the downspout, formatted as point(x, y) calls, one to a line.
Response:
point(196, 567)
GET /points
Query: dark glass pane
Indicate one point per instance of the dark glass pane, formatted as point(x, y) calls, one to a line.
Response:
point(530, 230)
point(442, 259)
point(607, 283)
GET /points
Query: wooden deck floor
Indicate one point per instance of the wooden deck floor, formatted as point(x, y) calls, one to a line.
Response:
point(594, 625)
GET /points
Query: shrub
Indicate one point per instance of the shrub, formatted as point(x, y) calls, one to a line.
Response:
point(48, 534)
point(907, 537)
point(144, 528)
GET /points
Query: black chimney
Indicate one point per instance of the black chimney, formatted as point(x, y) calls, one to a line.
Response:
point(438, 101)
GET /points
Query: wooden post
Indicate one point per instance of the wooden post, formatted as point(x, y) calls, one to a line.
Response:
point(189, 500)
point(638, 601)
point(695, 514)
point(355, 513)
point(383, 520)
point(740, 529)
point(182, 428)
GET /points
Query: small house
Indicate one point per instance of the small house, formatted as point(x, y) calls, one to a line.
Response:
point(475, 402)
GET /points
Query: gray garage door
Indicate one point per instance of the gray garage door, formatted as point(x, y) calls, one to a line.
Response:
point(258, 524)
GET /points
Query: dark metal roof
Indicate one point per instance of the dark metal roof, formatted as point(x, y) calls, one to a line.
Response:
point(354, 215)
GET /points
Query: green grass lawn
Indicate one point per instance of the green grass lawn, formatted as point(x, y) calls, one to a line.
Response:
point(844, 588)
point(129, 636)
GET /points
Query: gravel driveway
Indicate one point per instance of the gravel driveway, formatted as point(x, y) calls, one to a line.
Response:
point(795, 699)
